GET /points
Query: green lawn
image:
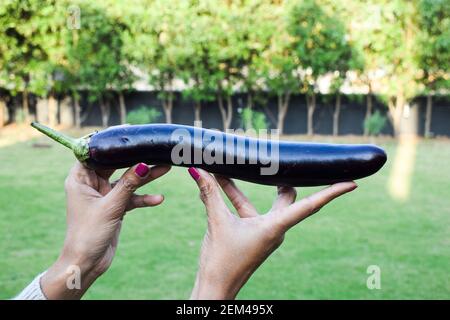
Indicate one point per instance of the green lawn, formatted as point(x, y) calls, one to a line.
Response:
point(326, 257)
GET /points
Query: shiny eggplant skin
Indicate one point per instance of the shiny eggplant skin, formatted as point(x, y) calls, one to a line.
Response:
point(300, 164)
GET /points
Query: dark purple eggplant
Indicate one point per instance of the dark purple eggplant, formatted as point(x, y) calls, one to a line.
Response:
point(299, 164)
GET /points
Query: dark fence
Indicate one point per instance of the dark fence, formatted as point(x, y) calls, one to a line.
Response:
point(351, 117)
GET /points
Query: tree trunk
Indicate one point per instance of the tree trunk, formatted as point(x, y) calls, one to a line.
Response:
point(249, 100)
point(52, 110)
point(270, 115)
point(197, 110)
point(2, 112)
point(337, 111)
point(226, 112)
point(396, 106)
point(369, 108)
point(76, 104)
point(283, 105)
point(229, 111)
point(105, 108)
point(168, 112)
point(222, 111)
point(428, 116)
point(122, 108)
point(311, 103)
point(25, 105)
point(168, 106)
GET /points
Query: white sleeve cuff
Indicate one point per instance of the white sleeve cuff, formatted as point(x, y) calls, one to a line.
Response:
point(33, 291)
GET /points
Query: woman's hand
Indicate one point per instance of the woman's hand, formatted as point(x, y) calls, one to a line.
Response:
point(95, 209)
point(235, 246)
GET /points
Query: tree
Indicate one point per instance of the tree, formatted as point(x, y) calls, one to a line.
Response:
point(364, 33)
point(256, 22)
point(121, 14)
point(226, 55)
point(195, 63)
point(223, 57)
point(319, 43)
point(395, 38)
point(95, 57)
point(433, 46)
point(52, 69)
point(157, 46)
point(348, 59)
point(281, 68)
point(26, 32)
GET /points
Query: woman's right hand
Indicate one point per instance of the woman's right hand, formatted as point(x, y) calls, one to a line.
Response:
point(235, 246)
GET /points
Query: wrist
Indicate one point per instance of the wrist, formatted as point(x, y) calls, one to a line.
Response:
point(211, 287)
point(68, 278)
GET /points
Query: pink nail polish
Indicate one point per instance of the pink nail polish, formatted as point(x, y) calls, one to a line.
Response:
point(141, 170)
point(194, 173)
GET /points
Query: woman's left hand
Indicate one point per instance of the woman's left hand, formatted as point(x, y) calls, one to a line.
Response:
point(95, 210)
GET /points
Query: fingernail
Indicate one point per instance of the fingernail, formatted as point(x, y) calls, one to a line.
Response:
point(194, 173)
point(141, 170)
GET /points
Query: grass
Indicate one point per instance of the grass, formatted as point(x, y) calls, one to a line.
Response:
point(326, 257)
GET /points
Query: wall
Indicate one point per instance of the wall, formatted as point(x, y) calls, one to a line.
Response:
point(351, 119)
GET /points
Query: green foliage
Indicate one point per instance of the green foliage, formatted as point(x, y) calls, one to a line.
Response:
point(280, 69)
point(259, 121)
point(95, 53)
point(156, 42)
point(375, 123)
point(143, 115)
point(197, 68)
point(252, 119)
point(359, 98)
point(399, 48)
point(319, 41)
point(29, 41)
point(433, 44)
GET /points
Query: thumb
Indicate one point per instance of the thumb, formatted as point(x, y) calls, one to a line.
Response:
point(131, 180)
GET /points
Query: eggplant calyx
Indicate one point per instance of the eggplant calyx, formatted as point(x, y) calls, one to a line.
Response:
point(80, 147)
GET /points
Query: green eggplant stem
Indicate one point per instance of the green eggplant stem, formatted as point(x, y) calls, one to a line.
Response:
point(79, 146)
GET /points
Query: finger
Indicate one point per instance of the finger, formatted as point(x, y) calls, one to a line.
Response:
point(131, 180)
point(140, 201)
point(239, 201)
point(313, 203)
point(157, 174)
point(209, 193)
point(143, 201)
point(286, 197)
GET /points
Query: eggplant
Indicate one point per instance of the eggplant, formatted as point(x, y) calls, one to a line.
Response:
point(262, 161)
